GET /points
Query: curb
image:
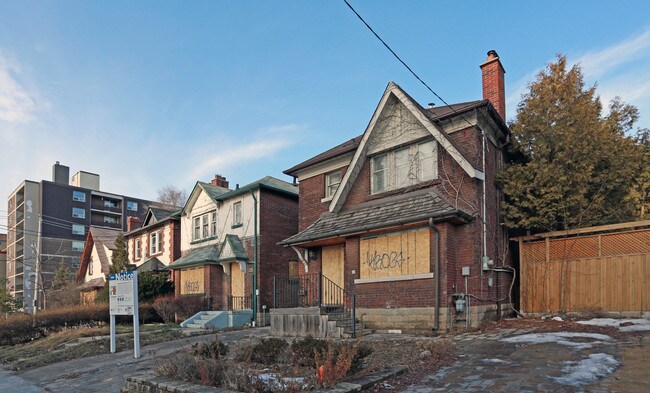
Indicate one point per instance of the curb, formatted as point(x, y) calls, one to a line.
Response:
point(361, 383)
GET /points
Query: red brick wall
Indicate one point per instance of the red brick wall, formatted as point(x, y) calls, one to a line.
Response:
point(278, 221)
point(312, 190)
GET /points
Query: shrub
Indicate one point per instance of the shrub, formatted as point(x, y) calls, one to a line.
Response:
point(23, 328)
point(151, 285)
point(186, 306)
point(213, 350)
point(305, 350)
point(165, 306)
point(265, 351)
point(339, 361)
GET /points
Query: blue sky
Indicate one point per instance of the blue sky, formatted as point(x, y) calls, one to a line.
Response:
point(150, 93)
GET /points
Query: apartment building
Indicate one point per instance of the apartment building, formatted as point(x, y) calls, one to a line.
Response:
point(48, 222)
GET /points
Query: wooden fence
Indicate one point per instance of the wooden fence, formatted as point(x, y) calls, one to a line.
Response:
point(598, 269)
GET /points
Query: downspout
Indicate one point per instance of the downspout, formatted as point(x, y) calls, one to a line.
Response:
point(254, 257)
point(436, 323)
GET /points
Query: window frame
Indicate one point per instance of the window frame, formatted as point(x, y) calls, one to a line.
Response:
point(155, 246)
point(196, 232)
point(132, 206)
point(78, 196)
point(137, 249)
point(77, 214)
point(237, 213)
point(393, 178)
point(111, 220)
point(83, 229)
point(205, 225)
point(76, 242)
point(213, 223)
point(329, 189)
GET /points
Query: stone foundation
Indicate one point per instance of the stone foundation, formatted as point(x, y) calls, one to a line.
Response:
point(153, 384)
point(421, 319)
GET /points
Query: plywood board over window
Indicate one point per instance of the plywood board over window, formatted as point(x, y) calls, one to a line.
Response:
point(236, 280)
point(401, 255)
point(192, 281)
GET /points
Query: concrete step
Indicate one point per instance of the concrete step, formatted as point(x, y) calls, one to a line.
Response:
point(195, 325)
point(360, 333)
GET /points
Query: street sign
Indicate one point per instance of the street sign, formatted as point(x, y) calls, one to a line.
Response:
point(123, 300)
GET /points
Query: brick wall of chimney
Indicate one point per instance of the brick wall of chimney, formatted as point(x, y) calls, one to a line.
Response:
point(219, 181)
point(494, 83)
point(133, 223)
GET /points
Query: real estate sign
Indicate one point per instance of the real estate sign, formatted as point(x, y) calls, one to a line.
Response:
point(123, 300)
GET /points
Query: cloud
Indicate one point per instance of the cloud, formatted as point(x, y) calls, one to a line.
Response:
point(619, 69)
point(266, 144)
point(17, 104)
point(597, 63)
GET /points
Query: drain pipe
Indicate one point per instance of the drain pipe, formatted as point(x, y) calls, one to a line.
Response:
point(436, 323)
point(254, 257)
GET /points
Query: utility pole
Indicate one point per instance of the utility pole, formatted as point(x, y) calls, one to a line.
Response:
point(37, 253)
point(255, 261)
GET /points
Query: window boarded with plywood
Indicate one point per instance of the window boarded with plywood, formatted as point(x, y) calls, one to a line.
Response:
point(395, 255)
point(192, 281)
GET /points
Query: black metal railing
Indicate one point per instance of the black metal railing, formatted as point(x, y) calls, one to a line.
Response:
point(314, 290)
point(240, 303)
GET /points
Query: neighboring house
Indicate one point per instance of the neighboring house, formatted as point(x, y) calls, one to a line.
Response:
point(405, 217)
point(96, 262)
point(156, 242)
point(50, 220)
point(218, 230)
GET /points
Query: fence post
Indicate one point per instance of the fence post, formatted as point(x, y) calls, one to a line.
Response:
point(354, 316)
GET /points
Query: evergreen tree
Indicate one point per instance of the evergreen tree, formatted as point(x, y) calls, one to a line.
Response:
point(572, 167)
point(120, 257)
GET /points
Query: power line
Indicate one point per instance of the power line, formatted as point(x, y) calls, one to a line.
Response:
point(404, 63)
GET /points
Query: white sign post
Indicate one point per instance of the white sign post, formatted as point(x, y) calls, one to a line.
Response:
point(123, 300)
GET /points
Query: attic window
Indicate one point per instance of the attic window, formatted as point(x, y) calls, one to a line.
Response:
point(404, 167)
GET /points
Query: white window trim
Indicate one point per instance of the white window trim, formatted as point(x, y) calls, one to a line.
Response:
point(237, 220)
point(196, 229)
point(329, 184)
point(155, 247)
point(137, 252)
point(391, 168)
point(83, 229)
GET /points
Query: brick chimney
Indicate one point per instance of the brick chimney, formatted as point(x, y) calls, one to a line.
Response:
point(133, 223)
point(219, 181)
point(494, 82)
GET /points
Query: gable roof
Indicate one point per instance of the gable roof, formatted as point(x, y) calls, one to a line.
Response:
point(155, 217)
point(152, 265)
point(392, 211)
point(101, 239)
point(423, 117)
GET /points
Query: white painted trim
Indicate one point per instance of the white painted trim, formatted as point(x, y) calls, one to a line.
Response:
point(327, 199)
point(324, 167)
point(394, 278)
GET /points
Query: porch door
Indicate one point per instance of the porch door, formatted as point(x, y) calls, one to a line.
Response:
point(237, 287)
point(332, 268)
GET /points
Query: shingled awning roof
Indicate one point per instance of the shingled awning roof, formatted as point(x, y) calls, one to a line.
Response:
point(152, 265)
point(386, 213)
point(231, 250)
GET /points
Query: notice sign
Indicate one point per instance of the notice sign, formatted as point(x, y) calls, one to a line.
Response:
point(121, 289)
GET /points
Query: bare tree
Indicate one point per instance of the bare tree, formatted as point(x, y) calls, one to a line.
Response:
point(172, 195)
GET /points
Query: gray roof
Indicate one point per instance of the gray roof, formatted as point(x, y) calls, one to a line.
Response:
point(152, 265)
point(387, 212)
point(160, 213)
point(212, 254)
point(268, 182)
point(105, 236)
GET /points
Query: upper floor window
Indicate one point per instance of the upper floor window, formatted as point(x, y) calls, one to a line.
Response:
point(155, 242)
point(90, 266)
point(213, 223)
point(205, 224)
point(77, 246)
point(137, 249)
point(236, 213)
point(78, 212)
point(332, 181)
point(78, 229)
point(110, 220)
point(110, 203)
point(133, 206)
point(78, 196)
point(404, 167)
point(197, 228)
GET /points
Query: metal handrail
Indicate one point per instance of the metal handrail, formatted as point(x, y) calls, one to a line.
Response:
point(331, 296)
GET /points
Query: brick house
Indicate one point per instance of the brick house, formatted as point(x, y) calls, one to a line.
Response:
point(405, 217)
point(218, 231)
point(155, 243)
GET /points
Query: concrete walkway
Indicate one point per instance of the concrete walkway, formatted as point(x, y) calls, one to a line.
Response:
point(10, 382)
point(105, 373)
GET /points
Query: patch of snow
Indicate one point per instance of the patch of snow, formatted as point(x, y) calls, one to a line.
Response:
point(558, 319)
point(588, 370)
point(493, 361)
point(272, 379)
point(562, 338)
point(637, 325)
